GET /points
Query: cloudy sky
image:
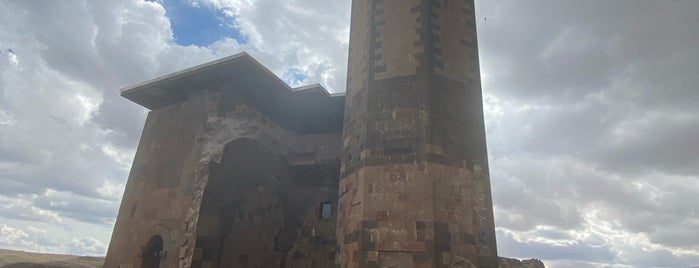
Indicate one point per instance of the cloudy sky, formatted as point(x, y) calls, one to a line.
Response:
point(592, 113)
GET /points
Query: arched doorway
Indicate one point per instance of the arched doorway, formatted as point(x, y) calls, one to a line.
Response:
point(257, 207)
point(244, 200)
point(152, 252)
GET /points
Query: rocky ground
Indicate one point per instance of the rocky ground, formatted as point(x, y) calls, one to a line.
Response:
point(514, 263)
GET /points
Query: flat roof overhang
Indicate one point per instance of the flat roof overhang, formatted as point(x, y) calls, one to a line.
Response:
point(307, 109)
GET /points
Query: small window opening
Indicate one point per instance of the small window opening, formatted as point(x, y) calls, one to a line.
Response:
point(133, 210)
point(326, 210)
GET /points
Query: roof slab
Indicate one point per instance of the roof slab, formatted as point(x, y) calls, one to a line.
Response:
point(307, 109)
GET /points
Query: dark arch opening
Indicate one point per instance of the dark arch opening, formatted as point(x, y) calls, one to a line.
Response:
point(261, 210)
point(152, 253)
point(244, 200)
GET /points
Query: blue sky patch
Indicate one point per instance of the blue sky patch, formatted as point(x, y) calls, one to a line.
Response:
point(295, 74)
point(198, 24)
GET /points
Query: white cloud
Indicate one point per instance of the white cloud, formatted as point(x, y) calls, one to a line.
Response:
point(6, 118)
point(23, 209)
point(120, 156)
point(590, 110)
point(308, 35)
point(13, 59)
point(48, 238)
point(68, 138)
point(10, 236)
point(88, 245)
point(590, 129)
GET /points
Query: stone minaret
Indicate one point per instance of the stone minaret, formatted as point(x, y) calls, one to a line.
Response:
point(414, 189)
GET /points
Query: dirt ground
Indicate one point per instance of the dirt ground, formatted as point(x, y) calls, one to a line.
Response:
point(21, 259)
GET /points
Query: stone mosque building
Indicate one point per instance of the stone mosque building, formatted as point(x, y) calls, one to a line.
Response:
point(237, 169)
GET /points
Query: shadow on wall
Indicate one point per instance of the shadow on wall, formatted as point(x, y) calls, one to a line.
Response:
point(257, 212)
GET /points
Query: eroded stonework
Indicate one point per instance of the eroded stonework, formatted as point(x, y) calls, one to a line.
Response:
point(414, 183)
point(236, 169)
point(225, 186)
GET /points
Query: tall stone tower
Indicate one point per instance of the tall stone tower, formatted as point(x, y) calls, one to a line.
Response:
point(414, 185)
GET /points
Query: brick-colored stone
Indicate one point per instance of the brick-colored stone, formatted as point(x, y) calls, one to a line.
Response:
point(418, 125)
point(234, 170)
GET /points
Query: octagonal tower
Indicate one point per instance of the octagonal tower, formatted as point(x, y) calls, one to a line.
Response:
point(414, 185)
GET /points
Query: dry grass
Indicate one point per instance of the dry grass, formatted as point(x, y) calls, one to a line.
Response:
point(21, 259)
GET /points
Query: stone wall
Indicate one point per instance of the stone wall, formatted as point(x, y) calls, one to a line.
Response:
point(212, 174)
point(414, 188)
point(158, 194)
point(257, 211)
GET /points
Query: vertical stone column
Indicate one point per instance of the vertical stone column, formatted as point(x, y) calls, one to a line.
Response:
point(414, 189)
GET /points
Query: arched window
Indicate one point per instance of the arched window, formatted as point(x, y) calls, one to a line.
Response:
point(152, 253)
